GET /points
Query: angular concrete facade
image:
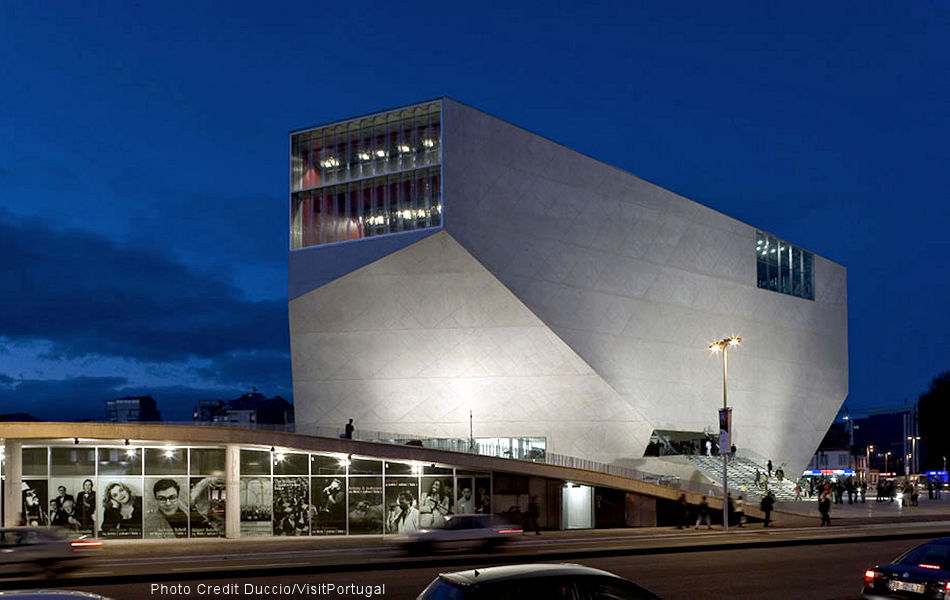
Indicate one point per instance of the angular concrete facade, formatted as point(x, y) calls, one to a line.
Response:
point(567, 299)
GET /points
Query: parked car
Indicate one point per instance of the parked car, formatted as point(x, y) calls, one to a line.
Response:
point(462, 531)
point(534, 581)
point(41, 551)
point(922, 572)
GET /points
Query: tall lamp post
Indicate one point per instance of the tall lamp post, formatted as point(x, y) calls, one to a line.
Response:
point(913, 451)
point(723, 346)
point(867, 466)
point(886, 454)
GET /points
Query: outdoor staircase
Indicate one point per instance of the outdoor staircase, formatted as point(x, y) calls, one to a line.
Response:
point(741, 475)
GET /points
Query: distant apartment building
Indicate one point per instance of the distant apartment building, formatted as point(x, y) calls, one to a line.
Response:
point(132, 409)
point(251, 408)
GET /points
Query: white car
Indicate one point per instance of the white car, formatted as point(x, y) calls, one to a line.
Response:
point(538, 581)
point(462, 531)
point(26, 551)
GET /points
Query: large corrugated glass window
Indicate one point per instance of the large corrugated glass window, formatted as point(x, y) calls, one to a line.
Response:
point(782, 267)
point(367, 177)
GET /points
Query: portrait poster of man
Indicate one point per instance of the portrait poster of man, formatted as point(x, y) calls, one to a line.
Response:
point(35, 506)
point(166, 507)
point(208, 500)
point(436, 501)
point(257, 500)
point(328, 513)
point(402, 504)
point(366, 505)
point(73, 504)
point(120, 510)
point(483, 495)
point(465, 498)
point(291, 506)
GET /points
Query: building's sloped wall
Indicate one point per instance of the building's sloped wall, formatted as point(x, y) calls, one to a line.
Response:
point(309, 268)
point(412, 342)
point(639, 281)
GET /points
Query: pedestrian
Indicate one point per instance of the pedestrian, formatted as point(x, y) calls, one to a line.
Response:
point(348, 432)
point(864, 491)
point(798, 491)
point(766, 505)
point(914, 494)
point(770, 467)
point(682, 511)
point(758, 476)
point(531, 516)
point(740, 511)
point(708, 448)
point(702, 514)
point(824, 507)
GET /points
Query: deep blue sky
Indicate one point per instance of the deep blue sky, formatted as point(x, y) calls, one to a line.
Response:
point(144, 171)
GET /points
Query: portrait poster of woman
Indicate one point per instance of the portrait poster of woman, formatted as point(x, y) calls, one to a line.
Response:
point(436, 502)
point(120, 507)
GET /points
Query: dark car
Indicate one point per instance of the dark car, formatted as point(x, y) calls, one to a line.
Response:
point(534, 582)
point(26, 551)
point(923, 572)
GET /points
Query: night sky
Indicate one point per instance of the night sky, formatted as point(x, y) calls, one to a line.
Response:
point(144, 167)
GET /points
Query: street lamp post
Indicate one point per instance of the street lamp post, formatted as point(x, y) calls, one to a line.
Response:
point(886, 454)
point(867, 465)
point(913, 451)
point(723, 346)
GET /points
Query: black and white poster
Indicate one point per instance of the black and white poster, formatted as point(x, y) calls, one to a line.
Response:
point(73, 504)
point(166, 507)
point(483, 495)
point(436, 502)
point(291, 506)
point(257, 502)
point(121, 511)
point(35, 507)
point(208, 499)
point(402, 504)
point(366, 505)
point(328, 515)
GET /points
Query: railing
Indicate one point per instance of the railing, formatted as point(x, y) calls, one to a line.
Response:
point(465, 445)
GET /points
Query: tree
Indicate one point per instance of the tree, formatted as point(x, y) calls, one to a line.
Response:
point(933, 417)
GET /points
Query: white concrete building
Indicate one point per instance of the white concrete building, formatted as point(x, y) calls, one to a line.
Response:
point(444, 261)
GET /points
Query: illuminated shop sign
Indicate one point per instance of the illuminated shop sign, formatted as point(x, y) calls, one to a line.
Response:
point(809, 472)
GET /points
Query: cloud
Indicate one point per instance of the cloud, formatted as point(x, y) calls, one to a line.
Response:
point(86, 295)
point(266, 370)
point(81, 398)
point(51, 399)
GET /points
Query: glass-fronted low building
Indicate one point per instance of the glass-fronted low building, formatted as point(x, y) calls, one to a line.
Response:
point(201, 482)
point(453, 275)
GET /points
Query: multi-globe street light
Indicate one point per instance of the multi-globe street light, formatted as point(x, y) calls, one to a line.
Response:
point(723, 346)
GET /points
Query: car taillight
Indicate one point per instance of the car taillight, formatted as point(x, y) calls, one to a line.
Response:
point(85, 543)
point(510, 531)
point(946, 588)
point(869, 576)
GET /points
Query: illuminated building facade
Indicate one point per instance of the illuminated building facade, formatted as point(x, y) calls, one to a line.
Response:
point(446, 265)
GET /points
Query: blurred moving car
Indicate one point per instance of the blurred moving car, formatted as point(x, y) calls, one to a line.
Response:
point(462, 531)
point(534, 582)
point(50, 595)
point(26, 551)
point(922, 572)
